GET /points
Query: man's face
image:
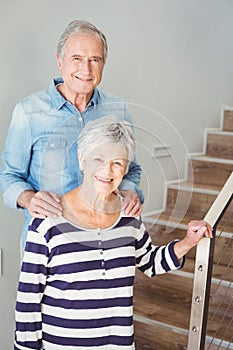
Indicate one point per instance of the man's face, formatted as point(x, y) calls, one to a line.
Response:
point(82, 65)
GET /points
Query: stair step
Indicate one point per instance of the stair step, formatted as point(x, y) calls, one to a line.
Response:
point(171, 222)
point(160, 298)
point(159, 336)
point(167, 299)
point(220, 144)
point(209, 171)
point(194, 203)
point(182, 200)
point(156, 337)
point(222, 255)
point(228, 120)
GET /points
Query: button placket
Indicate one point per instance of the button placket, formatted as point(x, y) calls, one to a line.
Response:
point(101, 252)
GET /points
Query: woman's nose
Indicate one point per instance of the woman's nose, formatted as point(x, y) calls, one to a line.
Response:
point(107, 166)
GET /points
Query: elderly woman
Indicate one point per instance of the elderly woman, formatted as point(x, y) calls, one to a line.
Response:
point(76, 283)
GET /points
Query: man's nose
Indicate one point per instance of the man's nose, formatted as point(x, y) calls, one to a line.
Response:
point(86, 68)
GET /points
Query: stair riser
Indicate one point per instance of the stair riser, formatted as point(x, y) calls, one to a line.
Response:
point(209, 173)
point(195, 205)
point(220, 146)
point(228, 121)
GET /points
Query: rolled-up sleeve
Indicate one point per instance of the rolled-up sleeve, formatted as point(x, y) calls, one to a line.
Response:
point(16, 158)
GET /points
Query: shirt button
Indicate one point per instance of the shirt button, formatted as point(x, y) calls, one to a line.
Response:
point(80, 119)
point(102, 263)
point(101, 252)
point(103, 273)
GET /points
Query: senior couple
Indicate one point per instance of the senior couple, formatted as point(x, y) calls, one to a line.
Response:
point(85, 241)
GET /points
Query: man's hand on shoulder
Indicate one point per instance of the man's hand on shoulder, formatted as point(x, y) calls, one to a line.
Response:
point(40, 204)
point(131, 205)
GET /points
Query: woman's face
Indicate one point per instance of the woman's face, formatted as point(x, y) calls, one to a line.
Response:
point(104, 167)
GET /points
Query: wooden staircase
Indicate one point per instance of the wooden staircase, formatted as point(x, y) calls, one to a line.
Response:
point(162, 304)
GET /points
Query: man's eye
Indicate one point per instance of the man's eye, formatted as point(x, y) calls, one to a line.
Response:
point(95, 60)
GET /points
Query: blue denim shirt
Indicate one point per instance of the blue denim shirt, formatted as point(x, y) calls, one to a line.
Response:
point(41, 147)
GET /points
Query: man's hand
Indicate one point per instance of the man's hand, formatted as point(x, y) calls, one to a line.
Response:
point(131, 205)
point(41, 204)
point(195, 232)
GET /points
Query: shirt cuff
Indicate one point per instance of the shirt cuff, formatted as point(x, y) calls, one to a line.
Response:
point(11, 195)
point(177, 263)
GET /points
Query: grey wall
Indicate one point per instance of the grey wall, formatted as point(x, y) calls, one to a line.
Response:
point(170, 59)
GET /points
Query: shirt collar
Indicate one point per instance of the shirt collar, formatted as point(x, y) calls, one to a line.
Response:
point(58, 100)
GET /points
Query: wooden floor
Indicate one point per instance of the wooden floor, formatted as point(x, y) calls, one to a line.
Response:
point(162, 304)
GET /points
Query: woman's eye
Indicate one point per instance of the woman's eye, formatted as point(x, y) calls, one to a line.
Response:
point(118, 163)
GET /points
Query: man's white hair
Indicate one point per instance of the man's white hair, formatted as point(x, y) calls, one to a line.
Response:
point(81, 27)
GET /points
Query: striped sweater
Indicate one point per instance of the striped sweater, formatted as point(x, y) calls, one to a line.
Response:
point(76, 285)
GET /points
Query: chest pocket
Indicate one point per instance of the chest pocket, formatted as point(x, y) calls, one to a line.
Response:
point(54, 152)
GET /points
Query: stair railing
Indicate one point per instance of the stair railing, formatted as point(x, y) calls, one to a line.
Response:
point(203, 270)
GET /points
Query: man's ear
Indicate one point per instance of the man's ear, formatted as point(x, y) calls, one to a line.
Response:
point(59, 62)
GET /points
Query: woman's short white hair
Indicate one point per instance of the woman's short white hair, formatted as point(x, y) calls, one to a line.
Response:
point(107, 129)
point(80, 27)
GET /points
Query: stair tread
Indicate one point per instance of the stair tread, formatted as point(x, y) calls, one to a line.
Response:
point(220, 132)
point(173, 221)
point(208, 158)
point(195, 187)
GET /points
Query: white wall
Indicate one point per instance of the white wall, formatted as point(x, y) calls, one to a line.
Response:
point(170, 59)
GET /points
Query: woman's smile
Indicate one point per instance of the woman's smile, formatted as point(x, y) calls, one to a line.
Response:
point(103, 180)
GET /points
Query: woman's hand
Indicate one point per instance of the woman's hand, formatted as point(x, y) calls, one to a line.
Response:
point(195, 232)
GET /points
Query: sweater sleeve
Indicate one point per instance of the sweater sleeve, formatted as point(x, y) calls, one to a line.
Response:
point(152, 259)
point(32, 280)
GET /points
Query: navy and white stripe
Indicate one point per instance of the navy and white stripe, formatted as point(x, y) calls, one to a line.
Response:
point(76, 286)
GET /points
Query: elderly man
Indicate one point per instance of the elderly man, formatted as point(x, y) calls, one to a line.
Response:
point(39, 162)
